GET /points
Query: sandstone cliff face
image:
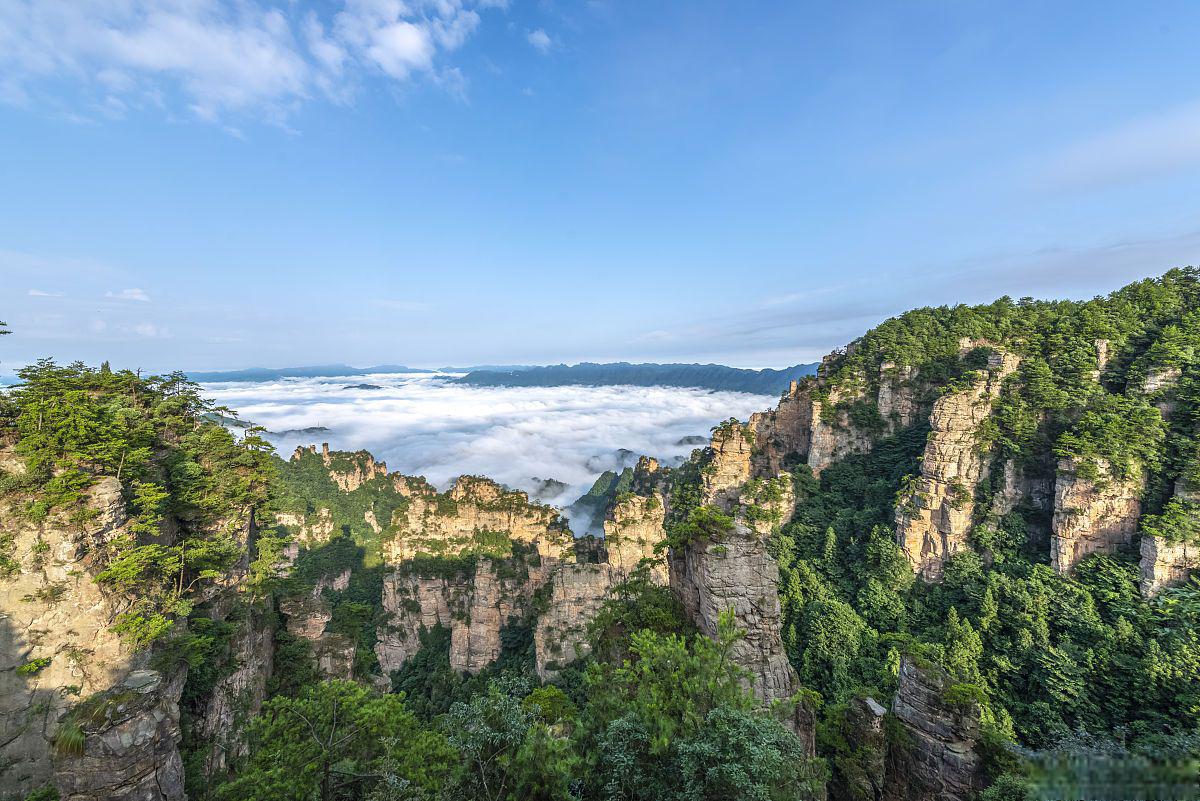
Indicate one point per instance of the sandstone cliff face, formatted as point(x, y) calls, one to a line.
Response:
point(436, 524)
point(632, 529)
point(473, 604)
point(728, 466)
point(238, 696)
point(936, 759)
point(784, 432)
point(738, 574)
point(131, 746)
point(306, 617)
point(561, 634)
point(1092, 516)
point(51, 610)
point(1164, 564)
point(934, 516)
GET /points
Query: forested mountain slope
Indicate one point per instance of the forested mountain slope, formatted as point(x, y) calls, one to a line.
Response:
point(955, 563)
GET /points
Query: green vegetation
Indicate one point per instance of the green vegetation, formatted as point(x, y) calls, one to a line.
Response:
point(1044, 656)
point(193, 490)
point(1097, 685)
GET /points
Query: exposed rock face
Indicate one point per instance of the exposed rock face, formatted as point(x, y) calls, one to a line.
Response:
point(783, 433)
point(898, 404)
point(473, 604)
point(934, 516)
point(312, 529)
point(561, 634)
point(937, 760)
point(866, 734)
point(738, 574)
point(1092, 516)
point(1016, 488)
point(131, 746)
point(633, 527)
point(729, 465)
point(833, 435)
point(1164, 564)
point(306, 618)
point(1103, 353)
point(51, 609)
point(803, 429)
point(239, 695)
point(437, 524)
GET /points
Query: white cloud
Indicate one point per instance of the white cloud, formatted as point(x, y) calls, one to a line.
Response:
point(129, 294)
point(98, 326)
point(151, 331)
point(223, 56)
point(540, 40)
point(38, 293)
point(426, 426)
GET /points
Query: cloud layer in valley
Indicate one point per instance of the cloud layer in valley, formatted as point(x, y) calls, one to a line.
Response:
point(424, 425)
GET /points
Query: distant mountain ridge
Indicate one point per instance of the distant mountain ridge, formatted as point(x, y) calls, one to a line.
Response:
point(702, 376)
point(330, 371)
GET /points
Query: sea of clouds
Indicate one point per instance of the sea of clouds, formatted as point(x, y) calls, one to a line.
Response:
point(424, 424)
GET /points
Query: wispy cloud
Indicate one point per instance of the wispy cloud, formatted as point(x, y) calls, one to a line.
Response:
point(38, 293)
point(1153, 145)
point(222, 56)
point(151, 331)
point(540, 40)
point(129, 294)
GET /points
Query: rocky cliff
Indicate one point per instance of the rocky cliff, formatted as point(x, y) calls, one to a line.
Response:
point(1092, 514)
point(934, 756)
point(934, 514)
point(1168, 561)
point(736, 574)
point(55, 642)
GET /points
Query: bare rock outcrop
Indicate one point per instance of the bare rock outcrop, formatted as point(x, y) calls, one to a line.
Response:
point(782, 435)
point(1092, 515)
point(306, 618)
point(738, 574)
point(935, 760)
point(436, 523)
point(474, 603)
point(934, 516)
point(834, 435)
point(632, 530)
point(728, 467)
point(577, 593)
point(238, 695)
point(129, 747)
point(1164, 564)
point(55, 642)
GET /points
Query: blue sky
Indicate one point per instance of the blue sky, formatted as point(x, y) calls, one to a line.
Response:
point(204, 184)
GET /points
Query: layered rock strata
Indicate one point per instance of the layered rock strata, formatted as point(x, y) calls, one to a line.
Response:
point(55, 642)
point(736, 574)
point(935, 759)
point(1092, 515)
point(577, 592)
point(130, 743)
point(933, 517)
point(1165, 563)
